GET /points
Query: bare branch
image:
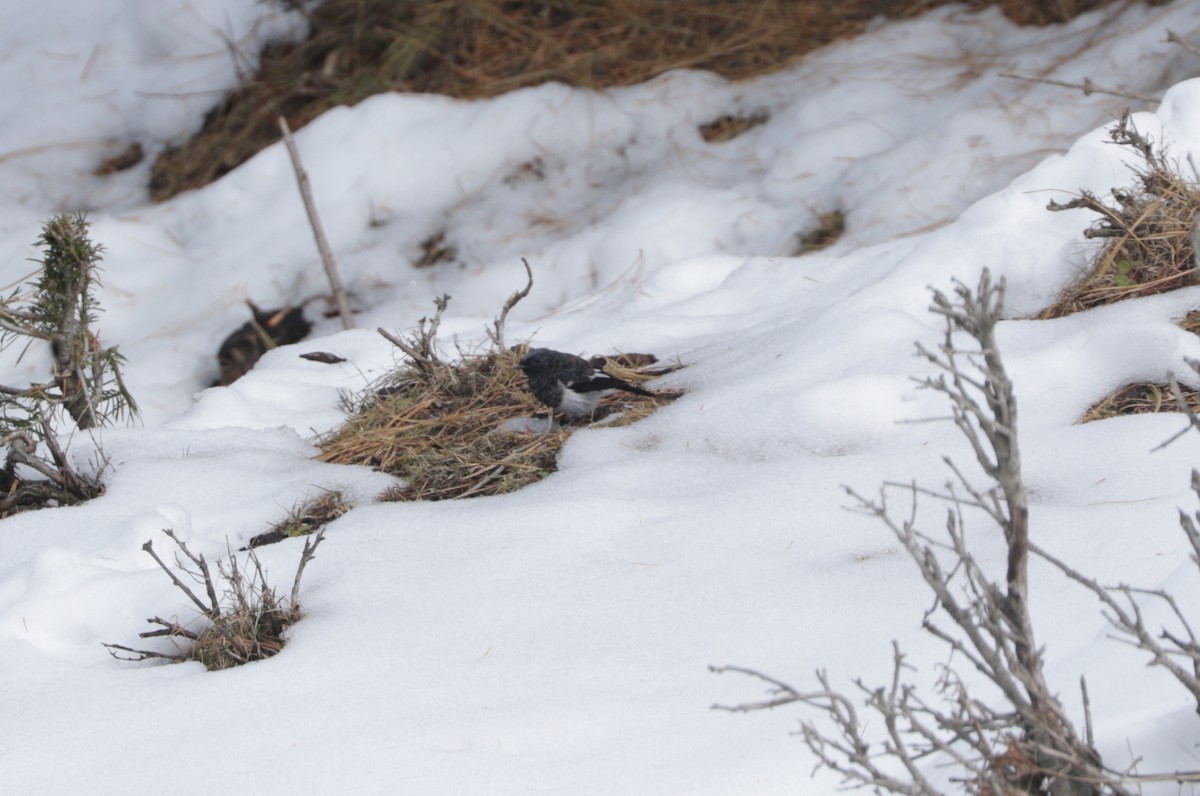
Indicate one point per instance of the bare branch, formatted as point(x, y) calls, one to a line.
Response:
point(1175, 38)
point(211, 610)
point(1087, 86)
point(421, 346)
point(1032, 745)
point(142, 655)
point(314, 221)
point(1127, 620)
point(306, 555)
point(496, 333)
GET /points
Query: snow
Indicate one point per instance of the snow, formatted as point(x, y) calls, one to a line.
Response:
point(557, 639)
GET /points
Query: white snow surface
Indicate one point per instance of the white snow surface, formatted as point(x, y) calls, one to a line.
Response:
point(558, 639)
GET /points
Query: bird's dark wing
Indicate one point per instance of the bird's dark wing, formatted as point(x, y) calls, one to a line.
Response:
point(577, 375)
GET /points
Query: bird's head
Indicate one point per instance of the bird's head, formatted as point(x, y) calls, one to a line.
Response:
point(534, 358)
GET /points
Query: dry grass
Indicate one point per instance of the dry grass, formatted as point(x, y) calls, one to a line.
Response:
point(481, 48)
point(1146, 228)
point(1147, 397)
point(435, 249)
point(1148, 249)
point(1191, 322)
point(304, 518)
point(440, 427)
point(727, 127)
point(830, 227)
point(1140, 399)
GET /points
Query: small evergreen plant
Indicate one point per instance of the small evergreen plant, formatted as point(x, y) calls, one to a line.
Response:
point(58, 307)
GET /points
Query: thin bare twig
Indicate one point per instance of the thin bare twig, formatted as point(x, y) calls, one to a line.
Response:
point(211, 611)
point(142, 655)
point(496, 333)
point(327, 259)
point(307, 554)
point(421, 346)
point(1087, 86)
point(1175, 38)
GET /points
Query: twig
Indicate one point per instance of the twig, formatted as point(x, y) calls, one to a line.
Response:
point(142, 654)
point(211, 611)
point(168, 629)
point(789, 693)
point(391, 338)
point(421, 347)
point(331, 269)
point(1087, 86)
point(497, 333)
point(1087, 712)
point(1185, 407)
point(307, 554)
point(1128, 621)
point(1175, 38)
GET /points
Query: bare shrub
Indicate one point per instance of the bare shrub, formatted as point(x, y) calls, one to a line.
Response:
point(1029, 745)
point(245, 617)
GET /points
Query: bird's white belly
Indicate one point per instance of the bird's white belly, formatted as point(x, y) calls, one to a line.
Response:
point(577, 404)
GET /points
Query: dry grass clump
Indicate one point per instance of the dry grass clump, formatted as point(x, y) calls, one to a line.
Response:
point(1146, 227)
point(829, 228)
point(439, 428)
point(1140, 399)
point(435, 249)
point(1149, 248)
point(304, 518)
point(482, 48)
point(127, 158)
point(727, 127)
point(443, 427)
point(442, 430)
point(244, 624)
point(1148, 397)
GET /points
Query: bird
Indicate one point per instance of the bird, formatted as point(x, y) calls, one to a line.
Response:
point(569, 384)
point(245, 346)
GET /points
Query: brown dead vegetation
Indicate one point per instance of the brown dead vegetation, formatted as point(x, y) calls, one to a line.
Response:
point(442, 429)
point(305, 518)
point(482, 48)
point(244, 620)
point(1150, 240)
point(445, 427)
point(1147, 229)
point(828, 229)
point(1140, 399)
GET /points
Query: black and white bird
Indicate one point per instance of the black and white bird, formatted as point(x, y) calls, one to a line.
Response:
point(569, 384)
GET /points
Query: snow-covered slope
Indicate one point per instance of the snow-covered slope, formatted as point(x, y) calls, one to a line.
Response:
point(557, 639)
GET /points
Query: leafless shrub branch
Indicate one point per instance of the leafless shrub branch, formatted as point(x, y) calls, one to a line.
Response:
point(246, 623)
point(1087, 86)
point(496, 333)
point(421, 343)
point(1176, 650)
point(1028, 746)
point(1175, 38)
